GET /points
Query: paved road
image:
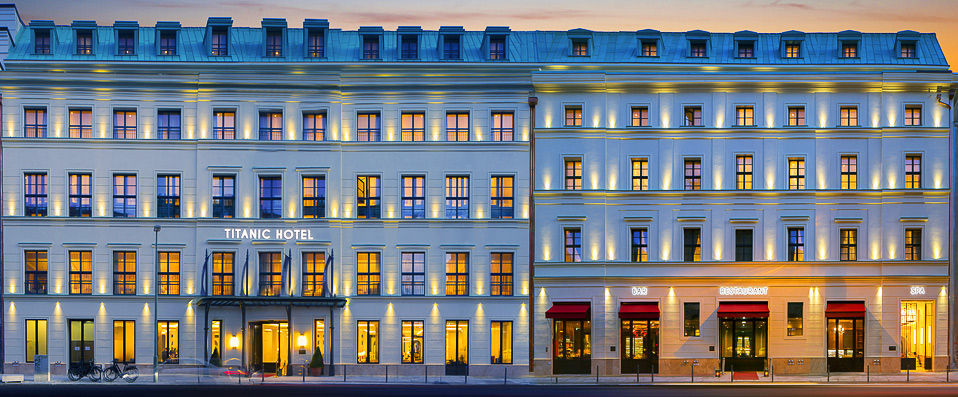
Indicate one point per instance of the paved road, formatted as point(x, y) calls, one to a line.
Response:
point(270, 390)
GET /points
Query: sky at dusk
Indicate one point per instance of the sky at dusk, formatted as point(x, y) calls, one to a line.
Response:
point(926, 16)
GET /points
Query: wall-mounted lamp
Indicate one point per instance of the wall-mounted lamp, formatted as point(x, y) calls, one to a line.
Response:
point(301, 342)
point(234, 342)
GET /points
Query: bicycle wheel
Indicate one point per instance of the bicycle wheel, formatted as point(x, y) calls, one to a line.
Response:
point(74, 374)
point(130, 373)
point(111, 373)
point(95, 374)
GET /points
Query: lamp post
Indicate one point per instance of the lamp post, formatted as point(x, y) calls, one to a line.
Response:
point(156, 293)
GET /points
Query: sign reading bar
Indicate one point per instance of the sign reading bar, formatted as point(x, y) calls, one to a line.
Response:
point(743, 290)
point(268, 234)
point(640, 290)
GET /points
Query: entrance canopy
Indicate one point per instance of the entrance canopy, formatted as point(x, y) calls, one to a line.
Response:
point(743, 309)
point(569, 311)
point(845, 309)
point(639, 311)
point(271, 301)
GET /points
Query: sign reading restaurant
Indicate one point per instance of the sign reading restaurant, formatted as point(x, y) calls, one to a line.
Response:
point(268, 234)
point(743, 290)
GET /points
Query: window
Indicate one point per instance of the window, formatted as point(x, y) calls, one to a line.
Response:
point(413, 273)
point(367, 342)
point(697, 49)
point(640, 174)
point(497, 48)
point(913, 115)
point(457, 197)
point(412, 342)
point(572, 340)
point(580, 47)
point(413, 197)
point(167, 42)
point(124, 196)
point(314, 197)
point(124, 337)
point(912, 171)
point(367, 273)
point(743, 245)
point(640, 244)
point(167, 196)
point(746, 49)
point(744, 116)
point(274, 42)
point(650, 48)
point(908, 50)
point(35, 336)
point(168, 124)
point(849, 49)
point(370, 47)
point(270, 126)
point(450, 47)
point(501, 337)
point(224, 196)
point(314, 126)
point(573, 174)
point(409, 47)
point(796, 116)
point(640, 116)
point(500, 274)
point(913, 244)
point(457, 127)
point(81, 272)
point(795, 318)
point(223, 273)
point(41, 41)
point(457, 342)
point(216, 338)
point(124, 272)
point(501, 197)
point(81, 123)
point(793, 49)
point(81, 195)
point(314, 264)
point(573, 244)
point(848, 244)
point(367, 197)
point(35, 123)
point(692, 241)
point(224, 124)
point(169, 274)
point(270, 197)
point(503, 127)
point(743, 172)
point(691, 319)
point(125, 42)
point(367, 129)
point(693, 174)
point(169, 342)
point(457, 273)
point(573, 116)
point(124, 124)
point(270, 273)
point(319, 333)
point(693, 116)
point(796, 244)
point(849, 172)
point(848, 116)
point(35, 194)
point(219, 44)
point(35, 272)
point(796, 174)
point(315, 44)
point(413, 127)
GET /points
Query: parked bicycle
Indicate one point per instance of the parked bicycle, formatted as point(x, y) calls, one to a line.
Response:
point(129, 372)
point(87, 369)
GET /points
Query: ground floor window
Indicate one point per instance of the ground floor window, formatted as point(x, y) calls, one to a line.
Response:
point(81, 341)
point(36, 339)
point(572, 346)
point(640, 345)
point(501, 337)
point(846, 337)
point(169, 341)
point(367, 342)
point(216, 342)
point(319, 332)
point(457, 347)
point(124, 333)
point(412, 342)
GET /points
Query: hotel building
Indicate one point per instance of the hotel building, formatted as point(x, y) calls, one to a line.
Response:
point(689, 201)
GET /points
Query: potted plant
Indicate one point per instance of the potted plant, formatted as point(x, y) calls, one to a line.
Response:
point(215, 358)
point(316, 363)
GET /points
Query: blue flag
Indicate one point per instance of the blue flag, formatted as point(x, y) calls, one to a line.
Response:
point(284, 280)
point(327, 275)
point(204, 278)
point(245, 271)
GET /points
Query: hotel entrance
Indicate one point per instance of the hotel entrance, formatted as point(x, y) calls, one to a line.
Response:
point(917, 328)
point(743, 335)
point(270, 346)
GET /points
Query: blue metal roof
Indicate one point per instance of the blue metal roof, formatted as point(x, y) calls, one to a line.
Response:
point(246, 45)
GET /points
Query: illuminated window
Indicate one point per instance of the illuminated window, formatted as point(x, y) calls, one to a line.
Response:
point(793, 49)
point(848, 244)
point(457, 127)
point(167, 42)
point(913, 244)
point(124, 124)
point(573, 244)
point(274, 42)
point(314, 263)
point(224, 196)
point(746, 49)
point(124, 337)
point(796, 116)
point(573, 174)
point(224, 124)
point(501, 337)
point(41, 41)
point(35, 194)
point(697, 49)
point(35, 338)
point(501, 197)
point(367, 342)
point(457, 342)
point(367, 197)
point(796, 244)
point(457, 197)
point(692, 241)
point(35, 272)
point(126, 42)
point(573, 116)
point(412, 342)
point(124, 196)
point(744, 116)
point(413, 127)
point(270, 197)
point(580, 47)
point(848, 116)
point(314, 126)
point(270, 274)
point(169, 273)
point(640, 116)
point(270, 126)
point(457, 273)
point(124, 272)
point(219, 42)
point(81, 272)
point(503, 128)
point(743, 172)
point(849, 172)
point(795, 318)
point(315, 44)
point(690, 319)
point(913, 115)
point(413, 273)
point(497, 48)
point(370, 47)
point(35, 123)
point(908, 50)
point(693, 116)
point(167, 196)
point(743, 245)
point(640, 244)
point(169, 342)
point(409, 47)
point(650, 48)
point(319, 333)
point(168, 124)
point(216, 340)
point(849, 49)
point(640, 174)
point(572, 340)
point(314, 197)
point(81, 195)
point(796, 174)
point(223, 273)
point(693, 174)
point(413, 197)
point(913, 171)
point(450, 46)
point(367, 273)
point(500, 274)
point(367, 127)
point(81, 123)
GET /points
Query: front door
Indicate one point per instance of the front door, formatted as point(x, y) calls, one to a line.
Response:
point(270, 346)
point(81, 341)
point(640, 346)
point(917, 327)
point(744, 343)
point(572, 347)
point(846, 344)
point(457, 347)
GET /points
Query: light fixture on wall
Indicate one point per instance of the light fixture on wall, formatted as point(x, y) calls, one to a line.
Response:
point(234, 342)
point(301, 342)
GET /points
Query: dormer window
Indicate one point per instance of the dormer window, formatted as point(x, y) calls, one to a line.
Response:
point(908, 50)
point(219, 42)
point(450, 47)
point(497, 47)
point(650, 48)
point(746, 49)
point(697, 49)
point(580, 47)
point(409, 47)
point(274, 42)
point(793, 49)
point(849, 49)
point(126, 42)
point(315, 45)
point(167, 42)
point(84, 42)
point(370, 47)
point(41, 41)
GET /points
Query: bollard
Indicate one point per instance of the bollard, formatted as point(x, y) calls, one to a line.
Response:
point(731, 373)
point(691, 373)
point(637, 374)
point(505, 375)
point(344, 373)
point(907, 375)
point(262, 375)
point(387, 374)
point(596, 374)
point(828, 372)
point(653, 373)
point(868, 374)
point(947, 371)
point(305, 365)
point(556, 379)
point(771, 370)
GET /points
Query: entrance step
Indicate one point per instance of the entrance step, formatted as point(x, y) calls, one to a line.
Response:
point(745, 375)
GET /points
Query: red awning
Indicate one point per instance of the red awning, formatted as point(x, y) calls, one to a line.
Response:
point(639, 311)
point(743, 309)
point(845, 309)
point(569, 311)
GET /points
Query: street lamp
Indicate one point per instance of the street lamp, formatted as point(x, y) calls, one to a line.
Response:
point(156, 290)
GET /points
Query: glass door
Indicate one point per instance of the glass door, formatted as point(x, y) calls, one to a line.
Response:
point(269, 341)
point(457, 347)
point(640, 346)
point(744, 344)
point(846, 344)
point(81, 341)
point(917, 330)
point(572, 347)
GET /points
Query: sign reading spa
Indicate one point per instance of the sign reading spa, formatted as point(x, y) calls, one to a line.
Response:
point(268, 234)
